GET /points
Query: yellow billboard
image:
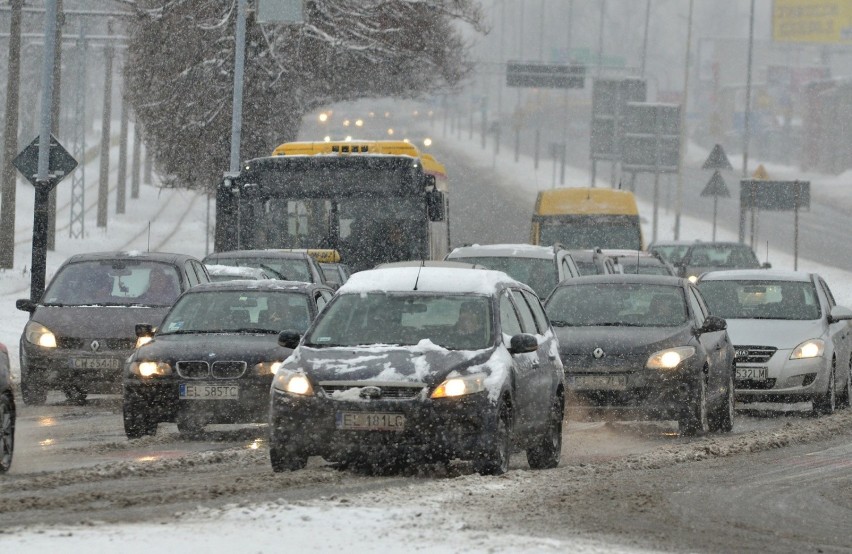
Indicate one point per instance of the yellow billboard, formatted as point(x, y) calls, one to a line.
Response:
point(815, 21)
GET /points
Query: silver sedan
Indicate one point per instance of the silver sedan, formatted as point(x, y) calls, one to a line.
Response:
point(792, 341)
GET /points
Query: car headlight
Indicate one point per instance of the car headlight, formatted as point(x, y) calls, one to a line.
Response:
point(813, 348)
point(692, 279)
point(142, 341)
point(294, 383)
point(669, 358)
point(267, 368)
point(460, 386)
point(38, 334)
point(151, 369)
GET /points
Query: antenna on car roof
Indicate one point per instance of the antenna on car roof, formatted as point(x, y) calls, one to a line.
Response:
point(419, 269)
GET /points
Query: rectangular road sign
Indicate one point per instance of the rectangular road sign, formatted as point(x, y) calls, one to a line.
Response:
point(280, 11)
point(651, 138)
point(778, 196)
point(542, 75)
point(609, 98)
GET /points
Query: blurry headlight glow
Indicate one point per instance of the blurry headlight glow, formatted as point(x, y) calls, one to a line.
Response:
point(460, 386)
point(669, 358)
point(267, 368)
point(38, 334)
point(151, 369)
point(294, 383)
point(692, 279)
point(809, 349)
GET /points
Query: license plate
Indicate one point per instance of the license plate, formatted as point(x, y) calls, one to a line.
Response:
point(209, 391)
point(94, 363)
point(752, 373)
point(363, 421)
point(599, 382)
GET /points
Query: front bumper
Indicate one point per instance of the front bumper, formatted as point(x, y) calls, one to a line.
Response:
point(446, 427)
point(57, 368)
point(642, 394)
point(787, 380)
point(161, 398)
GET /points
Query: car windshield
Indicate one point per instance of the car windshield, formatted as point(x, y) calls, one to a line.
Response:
point(114, 283)
point(761, 299)
point(617, 304)
point(538, 273)
point(722, 256)
point(452, 321)
point(331, 274)
point(228, 311)
point(294, 269)
point(671, 253)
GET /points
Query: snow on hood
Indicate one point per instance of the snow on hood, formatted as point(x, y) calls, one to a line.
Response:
point(783, 334)
point(428, 279)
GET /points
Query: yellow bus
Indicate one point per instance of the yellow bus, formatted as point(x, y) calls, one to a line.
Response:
point(372, 201)
point(582, 218)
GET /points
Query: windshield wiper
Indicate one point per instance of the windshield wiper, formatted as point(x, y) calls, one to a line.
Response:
point(615, 324)
point(278, 274)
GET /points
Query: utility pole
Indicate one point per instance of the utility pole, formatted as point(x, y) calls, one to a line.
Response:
point(121, 187)
point(645, 37)
point(747, 118)
point(103, 182)
point(136, 166)
point(239, 71)
point(77, 227)
point(55, 110)
point(684, 135)
point(601, 37)
point(10, 140)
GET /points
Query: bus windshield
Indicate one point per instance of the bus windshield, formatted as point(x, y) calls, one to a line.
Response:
point(609, 232)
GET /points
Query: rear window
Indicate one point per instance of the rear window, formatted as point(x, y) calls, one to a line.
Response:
point(539, 273)
point(294, 269)
point(115, 283)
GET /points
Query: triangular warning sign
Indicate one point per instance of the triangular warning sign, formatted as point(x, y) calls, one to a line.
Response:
point(716, 187)
point(717, 159)
point(760, 173)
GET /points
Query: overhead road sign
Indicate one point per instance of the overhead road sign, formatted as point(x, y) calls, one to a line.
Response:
point(61, 163)
point(609, 99)
point(717, 159)
point(542, 75)
point(812, 21)
point(651, 141)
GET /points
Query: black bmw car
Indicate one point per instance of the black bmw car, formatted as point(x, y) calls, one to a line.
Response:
point(645, 346)
point(7, 412)
point(213, 358)
point(416, 364)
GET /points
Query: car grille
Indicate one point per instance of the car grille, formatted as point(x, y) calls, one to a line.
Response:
point(86, 344)
point(228, 370)
point(193, 370)
point(753, 354)
point(755, 385)
point(389, 391)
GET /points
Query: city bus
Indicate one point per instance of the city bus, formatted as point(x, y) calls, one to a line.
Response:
point(372, 201)
point(583, 218)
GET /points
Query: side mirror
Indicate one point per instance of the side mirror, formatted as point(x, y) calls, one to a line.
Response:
point(712, 324)
point(839, 313)
point(523, 343)
point(435, 204)
point(25, 305)
point(289, 339)
point(144, 330)
point(766, 265)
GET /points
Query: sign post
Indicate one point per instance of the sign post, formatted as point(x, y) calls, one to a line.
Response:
point(716, 187)
point(778, 196)
point(59, 164)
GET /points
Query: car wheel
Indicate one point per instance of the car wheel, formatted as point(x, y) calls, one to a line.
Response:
point(546, 454)
point(694, 421)
point(722, 419)
point(190, 425)
point(283, 458)
point(7, 433)
point(825, 404)
point(138, 422)
point(494, 457)
point(33, 393)
point(75, 395)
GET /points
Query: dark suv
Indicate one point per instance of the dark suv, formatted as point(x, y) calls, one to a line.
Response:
point(83, 327)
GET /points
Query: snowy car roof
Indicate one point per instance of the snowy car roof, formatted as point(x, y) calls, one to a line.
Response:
point(256, 285)
point(502, 250)
point(431, 279)
point(235, 271)
point(757, 275)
